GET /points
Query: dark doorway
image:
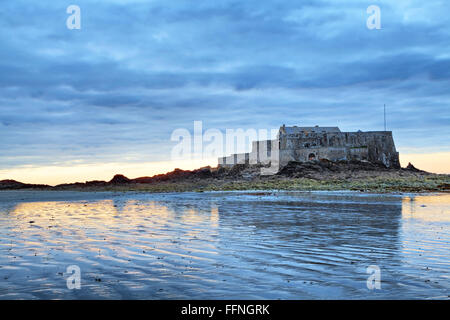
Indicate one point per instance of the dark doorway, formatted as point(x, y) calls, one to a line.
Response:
point(312, 156)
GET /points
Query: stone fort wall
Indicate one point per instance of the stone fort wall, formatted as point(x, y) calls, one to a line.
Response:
point(373, 146)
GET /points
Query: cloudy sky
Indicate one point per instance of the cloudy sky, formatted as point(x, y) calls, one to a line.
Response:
point(85, 104)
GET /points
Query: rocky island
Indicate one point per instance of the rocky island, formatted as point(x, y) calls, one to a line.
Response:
point(300, 158)
point(310, 175)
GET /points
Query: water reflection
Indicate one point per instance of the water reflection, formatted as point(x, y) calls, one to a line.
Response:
point(427, 207)
point(225, 245)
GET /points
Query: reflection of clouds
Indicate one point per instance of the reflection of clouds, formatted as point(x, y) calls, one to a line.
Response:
point(93, 222)
point(190, 243)
point(110, 231)
point(214, 217)
point(425, 240)
point(430, 208)
point(64, 224)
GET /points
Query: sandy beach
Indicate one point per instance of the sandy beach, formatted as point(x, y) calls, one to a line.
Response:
point(224, 245)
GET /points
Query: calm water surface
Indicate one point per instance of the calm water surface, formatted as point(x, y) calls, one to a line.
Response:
point(225, 245)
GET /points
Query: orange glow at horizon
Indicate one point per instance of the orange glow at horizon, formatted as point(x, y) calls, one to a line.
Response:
point(53, 175)
point(427, 208)
point(432, 162)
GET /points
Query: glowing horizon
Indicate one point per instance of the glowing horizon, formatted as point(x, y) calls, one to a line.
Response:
point(54, 175)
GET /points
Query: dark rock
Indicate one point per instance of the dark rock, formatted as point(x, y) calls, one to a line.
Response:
point(16, 185)
point(236, 170)
point(323, 166)
point(119, 179)
point(203, 173)
point(95, 183)
point(410, 167)
point(143, 180)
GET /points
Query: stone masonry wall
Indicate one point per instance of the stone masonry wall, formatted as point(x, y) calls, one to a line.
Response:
point(372, 146)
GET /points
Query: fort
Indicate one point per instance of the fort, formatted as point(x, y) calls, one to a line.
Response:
point(303, 144)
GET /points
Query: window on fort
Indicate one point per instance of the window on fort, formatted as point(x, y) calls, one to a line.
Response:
point(307, 145)
point(312, 156)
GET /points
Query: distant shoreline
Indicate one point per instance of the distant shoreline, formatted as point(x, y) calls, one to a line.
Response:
point(308, 176)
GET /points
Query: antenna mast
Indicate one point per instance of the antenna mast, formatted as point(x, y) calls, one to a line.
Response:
point(385, 117)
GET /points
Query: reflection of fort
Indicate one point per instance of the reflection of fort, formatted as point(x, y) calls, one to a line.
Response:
point(331, 220)
point(323, 214)
point(323, 220)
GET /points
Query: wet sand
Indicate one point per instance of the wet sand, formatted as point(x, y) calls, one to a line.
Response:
point(224, 245)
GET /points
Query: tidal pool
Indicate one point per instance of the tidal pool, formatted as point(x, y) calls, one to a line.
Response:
point(224, 245)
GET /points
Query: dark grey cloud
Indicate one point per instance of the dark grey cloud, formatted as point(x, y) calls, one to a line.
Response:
point(137, 70)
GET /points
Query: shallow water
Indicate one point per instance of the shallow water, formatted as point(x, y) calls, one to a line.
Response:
point(224, 245)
